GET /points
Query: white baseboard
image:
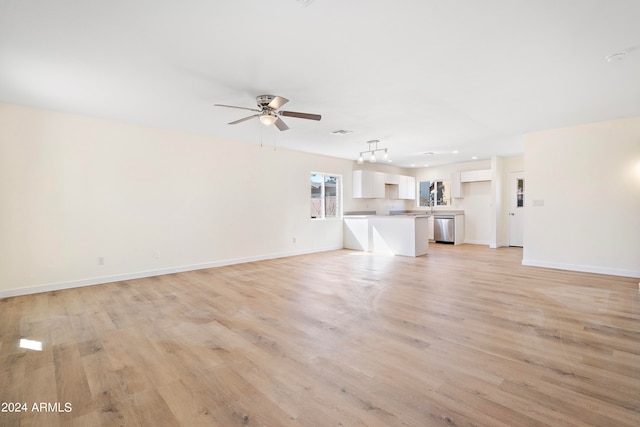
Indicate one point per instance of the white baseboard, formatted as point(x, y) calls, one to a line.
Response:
point(142, 274)
point(582, 268)
point(477, 242)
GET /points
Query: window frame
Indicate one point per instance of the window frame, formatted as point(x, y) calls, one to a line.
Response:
point(432, 200)
point(339, 184)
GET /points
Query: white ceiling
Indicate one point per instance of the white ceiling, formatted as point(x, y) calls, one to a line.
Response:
point(418, 75)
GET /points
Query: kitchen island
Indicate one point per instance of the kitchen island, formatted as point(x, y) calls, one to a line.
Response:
point(405, 235)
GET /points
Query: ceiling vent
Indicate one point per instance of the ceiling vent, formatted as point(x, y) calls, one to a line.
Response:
point(340, 132)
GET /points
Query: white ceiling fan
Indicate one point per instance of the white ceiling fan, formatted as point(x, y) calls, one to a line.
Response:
point(269, 113)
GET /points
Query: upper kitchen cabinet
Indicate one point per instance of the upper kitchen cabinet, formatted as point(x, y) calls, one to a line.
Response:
point(391, 178)
point(368, 184)
point(458, 178)
point(406, 187)
point(456, 186)
point(478, 175)
point(372, 185)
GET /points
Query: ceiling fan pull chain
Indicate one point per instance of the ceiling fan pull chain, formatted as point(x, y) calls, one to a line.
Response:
point(275, 142)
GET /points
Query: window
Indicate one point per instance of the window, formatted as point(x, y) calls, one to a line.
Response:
point(520, 193)
point(434, 193)
point(326, 191)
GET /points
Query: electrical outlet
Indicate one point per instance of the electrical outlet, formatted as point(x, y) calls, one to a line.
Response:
point(294, 240)
point(100, 260)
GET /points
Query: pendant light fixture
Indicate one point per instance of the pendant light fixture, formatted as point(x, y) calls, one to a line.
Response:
point(372, 152)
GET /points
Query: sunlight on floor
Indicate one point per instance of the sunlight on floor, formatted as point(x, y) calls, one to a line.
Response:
point(30, 344)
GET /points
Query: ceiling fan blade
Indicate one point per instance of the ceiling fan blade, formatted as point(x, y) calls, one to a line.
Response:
point(277, 102)
point(300, 115)
point(244, 119)
point(281, 124)
point(239, 108)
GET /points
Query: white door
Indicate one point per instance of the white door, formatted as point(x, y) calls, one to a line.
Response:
point(516, 208)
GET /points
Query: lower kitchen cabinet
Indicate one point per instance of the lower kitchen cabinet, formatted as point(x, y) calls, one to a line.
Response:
point(396, 234)
point(430, 228)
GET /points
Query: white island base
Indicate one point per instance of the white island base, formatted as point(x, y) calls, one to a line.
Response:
point(395, 234)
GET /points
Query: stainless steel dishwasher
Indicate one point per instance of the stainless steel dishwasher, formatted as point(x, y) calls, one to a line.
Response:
point(444, 228)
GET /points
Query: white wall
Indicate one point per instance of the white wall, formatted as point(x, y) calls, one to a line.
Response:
point(149, 201)
point(477, 205)
point(588, 178)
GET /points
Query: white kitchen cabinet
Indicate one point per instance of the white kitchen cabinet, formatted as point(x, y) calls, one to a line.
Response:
point(484, 175)
point(371, 185)
point(430, 223)
point(477, 175)
point(399, 235)
point(459, 230)
point(406, 187)
point(368, 184)
point(468, 176)
point(377, 185)
point(391, 178)
point(456, 186)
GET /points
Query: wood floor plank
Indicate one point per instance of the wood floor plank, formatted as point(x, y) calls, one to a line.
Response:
point(464, 336)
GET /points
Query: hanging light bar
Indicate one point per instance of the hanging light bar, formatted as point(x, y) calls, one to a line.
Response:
point(372, 152)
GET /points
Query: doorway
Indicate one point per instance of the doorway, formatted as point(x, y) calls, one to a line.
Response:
point(516, 208)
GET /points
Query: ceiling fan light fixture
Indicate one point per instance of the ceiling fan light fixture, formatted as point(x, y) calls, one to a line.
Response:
point(268, 119)
point(269, 113)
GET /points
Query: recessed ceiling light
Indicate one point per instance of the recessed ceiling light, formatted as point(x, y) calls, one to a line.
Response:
point(429, 153)
point(474, 157)
point(305, 2)
point(455, 152)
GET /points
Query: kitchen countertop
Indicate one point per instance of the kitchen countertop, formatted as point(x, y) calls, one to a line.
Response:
point(428, 212)
point(403, 214)
point(398, 216)
point(451, 212)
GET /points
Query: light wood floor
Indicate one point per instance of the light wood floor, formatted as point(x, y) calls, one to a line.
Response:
point(464, 336)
